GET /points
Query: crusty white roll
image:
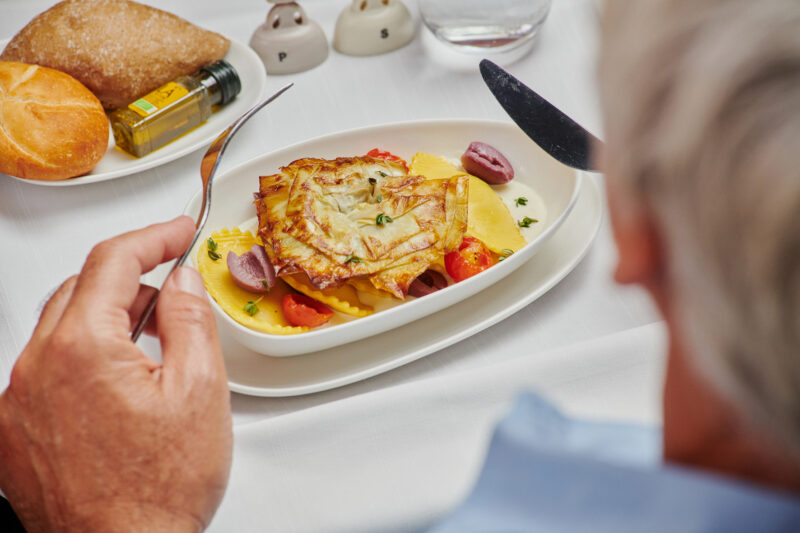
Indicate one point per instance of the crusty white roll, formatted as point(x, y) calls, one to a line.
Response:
point(51, 126)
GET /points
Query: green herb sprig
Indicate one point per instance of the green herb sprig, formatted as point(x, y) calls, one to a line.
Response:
point(251, 307)
point(382, 219)
point(521, 201)
point(505, 253)
point(526, 222)
point(351, 259)
point(212, 246)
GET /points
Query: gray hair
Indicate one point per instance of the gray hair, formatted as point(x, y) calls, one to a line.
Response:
point(702, 104)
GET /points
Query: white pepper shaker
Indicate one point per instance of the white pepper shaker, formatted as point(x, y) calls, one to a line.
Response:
point(289, 41)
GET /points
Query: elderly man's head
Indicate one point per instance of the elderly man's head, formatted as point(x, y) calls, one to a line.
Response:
point(702, 100)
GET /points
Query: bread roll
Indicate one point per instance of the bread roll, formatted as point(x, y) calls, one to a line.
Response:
point(119, 49)
point(51, 126)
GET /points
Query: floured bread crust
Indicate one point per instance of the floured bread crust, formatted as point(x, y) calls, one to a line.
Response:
point(119, 49)
point(321, 217)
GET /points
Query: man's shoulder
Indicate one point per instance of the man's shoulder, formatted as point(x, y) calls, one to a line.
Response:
point(547, 472)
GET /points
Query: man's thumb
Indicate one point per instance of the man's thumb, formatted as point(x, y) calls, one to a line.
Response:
point(186, 327)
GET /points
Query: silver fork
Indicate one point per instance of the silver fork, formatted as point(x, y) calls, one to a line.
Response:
point(208, 169)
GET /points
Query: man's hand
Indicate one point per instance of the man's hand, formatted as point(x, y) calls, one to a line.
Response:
point(97, 436)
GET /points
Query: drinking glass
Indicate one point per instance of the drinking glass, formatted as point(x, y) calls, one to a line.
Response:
point(484, 25)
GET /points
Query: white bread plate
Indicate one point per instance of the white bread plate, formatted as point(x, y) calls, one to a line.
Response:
point(116, 163)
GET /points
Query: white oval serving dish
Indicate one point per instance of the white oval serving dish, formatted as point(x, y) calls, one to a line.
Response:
point(232, 205)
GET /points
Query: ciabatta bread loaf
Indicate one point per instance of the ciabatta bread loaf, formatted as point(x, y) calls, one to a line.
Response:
point(51, 126)
point(119, 49)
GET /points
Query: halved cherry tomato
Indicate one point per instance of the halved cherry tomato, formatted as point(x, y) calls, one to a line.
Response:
point(300, 310)
point(471, 258)
point(383, 154)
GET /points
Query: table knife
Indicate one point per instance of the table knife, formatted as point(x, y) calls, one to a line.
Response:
point(557, 134)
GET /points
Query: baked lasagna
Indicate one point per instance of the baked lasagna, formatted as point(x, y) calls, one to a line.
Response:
point(359, 218)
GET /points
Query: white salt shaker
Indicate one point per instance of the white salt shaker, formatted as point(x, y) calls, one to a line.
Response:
point(369, 27)
point(288, 41)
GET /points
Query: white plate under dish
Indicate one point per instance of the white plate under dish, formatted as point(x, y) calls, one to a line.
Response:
point(232, 205)
point(256, 375)
point(116, 163)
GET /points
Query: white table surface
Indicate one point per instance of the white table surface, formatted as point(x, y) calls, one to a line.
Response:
point(47, 232)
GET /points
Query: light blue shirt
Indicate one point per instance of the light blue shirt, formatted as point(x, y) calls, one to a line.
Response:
point(547, 473)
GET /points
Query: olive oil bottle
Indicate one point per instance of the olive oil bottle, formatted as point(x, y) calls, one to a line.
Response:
point(174, 108)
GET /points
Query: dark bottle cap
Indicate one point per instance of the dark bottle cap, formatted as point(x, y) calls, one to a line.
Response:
point(227, 78)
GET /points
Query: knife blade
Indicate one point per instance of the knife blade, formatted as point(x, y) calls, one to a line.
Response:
point(557, 134)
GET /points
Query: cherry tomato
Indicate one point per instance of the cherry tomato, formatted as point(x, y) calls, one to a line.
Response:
point(300, 310)
point(383, 154)
point(471, 258)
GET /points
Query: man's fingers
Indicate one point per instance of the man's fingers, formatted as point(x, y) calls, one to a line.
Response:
point(53, 309)
point(109, 281)
point(146, 292)
point(189, 342)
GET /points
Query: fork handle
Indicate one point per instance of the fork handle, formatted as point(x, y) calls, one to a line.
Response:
point(208, 169)
point(151, 304)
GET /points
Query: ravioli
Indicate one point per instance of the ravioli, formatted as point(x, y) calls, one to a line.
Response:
point(269, 318)
point(343, 299)
point(351, 217)
point(489, 218)
point(233, 299)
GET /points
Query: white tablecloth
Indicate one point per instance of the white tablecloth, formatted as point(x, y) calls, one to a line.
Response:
point(47, 232)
